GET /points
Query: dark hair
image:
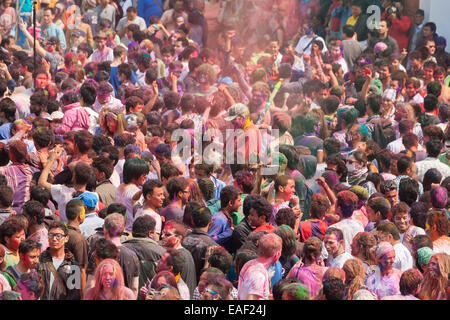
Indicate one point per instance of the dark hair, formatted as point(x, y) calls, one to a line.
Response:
point(134, 168)
point(206, 187)
point(83, 139)
point(347, 201)
point(221, 259)
point(389, 228)
point(73, 209)
point(149, 186)
point(403, 163)
point(104, 165)
point(410, 281)
point(430, 103)
point(28, 245)
point(187, 217)
point(319, 206)
point(431, 25)
point(277, 289)
point(334, 289)
point(422, 240)
point(9, 227)
point(285, 216)
point(201, 217)
point(116, 208)
point(243, 256)
point(374, 102)
point(175, 185)
point(380, 205)
point(440, 219)
point(34, 209)
point(431, 176)
point(169, 170)
point(6, 196)
point(88, 93)
point(261, 206)
point(408, 191)
point(106, 249)
point(142, 226)
point(227, 194)
point(433, 147)
point(113, 153)
point(8, 107)
point(409, 140)
point(99, 141)
point(246, 180)
point(348, 30)
point(59, 225)
point(83, 173)
point(176, 260)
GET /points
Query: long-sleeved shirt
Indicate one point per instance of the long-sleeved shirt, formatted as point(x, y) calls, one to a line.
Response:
point(54, 31)
point(220, 229)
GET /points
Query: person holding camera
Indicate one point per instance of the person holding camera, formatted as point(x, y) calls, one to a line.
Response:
point(400, 25)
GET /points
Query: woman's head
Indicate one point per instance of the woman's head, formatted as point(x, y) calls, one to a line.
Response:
point(385, 255)
point(363, 247)
point(312, 249)
point(109, 275)
point(354, 276)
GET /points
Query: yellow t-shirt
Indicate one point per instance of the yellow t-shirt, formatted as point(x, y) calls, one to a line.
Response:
point(352, 20)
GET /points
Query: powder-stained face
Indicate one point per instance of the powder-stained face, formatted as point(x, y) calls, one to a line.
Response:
point(401, 220)
point(433, 267)
point(31, 259)
point(331, 244)
point(108, 278)
point(15, 240)
point(386, 262)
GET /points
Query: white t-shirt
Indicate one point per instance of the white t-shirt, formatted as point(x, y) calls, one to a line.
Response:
point(339, 260)
point(124, 195)
point(91, 222)
point(56, 264)
point(349, 228)
point(153, 214)
point(62, 194)
point(253, 279)
point(304, 42)
point(413, 231)
point(403, 258)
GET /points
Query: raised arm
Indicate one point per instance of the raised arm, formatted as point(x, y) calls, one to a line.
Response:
point(30, 39)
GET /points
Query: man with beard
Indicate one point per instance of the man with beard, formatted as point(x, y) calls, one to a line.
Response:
point(383, 30)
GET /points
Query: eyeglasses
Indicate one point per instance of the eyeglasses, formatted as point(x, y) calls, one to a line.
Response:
point(210, 291)
point(186, 191)
point(57, 236)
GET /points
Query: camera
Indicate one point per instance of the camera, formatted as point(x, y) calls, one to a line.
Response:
point(391, 10)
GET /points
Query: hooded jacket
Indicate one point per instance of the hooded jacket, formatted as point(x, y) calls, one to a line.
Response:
point(75, 118)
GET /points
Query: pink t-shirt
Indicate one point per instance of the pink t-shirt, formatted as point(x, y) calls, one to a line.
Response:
point(254, 279)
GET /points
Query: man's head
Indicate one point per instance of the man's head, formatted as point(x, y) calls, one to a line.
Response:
point(201, 217)
point(389, 189)
point(12, 233)
point(284, 187)
point(429, 29)
point(401, 217)
point(48, 16)
point(131, 13)
point(319, 206)
point(178, 189)
point(438, 224)
point(58, 235)
point(387, 231)
point(333, 241)
point(378, 209)
point(144, 227)
point(270, 246)
point(260, 211)
point(114, 225)
point(410, 282)
point(173, 233)
point(230, 198)
point(135, 170)
point(29, 251)
point(346, 203)
point(172, 260)
point(75, 210)
point(153, 193)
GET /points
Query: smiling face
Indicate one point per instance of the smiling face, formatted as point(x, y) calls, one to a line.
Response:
point(56, 238)
point(401, 220)
point(386, 262)
point(156, 199)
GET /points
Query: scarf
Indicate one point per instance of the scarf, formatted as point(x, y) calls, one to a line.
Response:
point(356, 176)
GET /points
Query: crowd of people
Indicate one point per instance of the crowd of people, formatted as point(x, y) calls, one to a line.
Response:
point(100, 199)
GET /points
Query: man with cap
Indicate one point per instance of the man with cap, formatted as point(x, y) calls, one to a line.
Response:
point(102, 53)
point(244, 137)
point(105, 99)
point(49, 29)
point(91, 221)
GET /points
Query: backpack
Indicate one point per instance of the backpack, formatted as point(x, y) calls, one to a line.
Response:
point(147, 270)
point(383, 132)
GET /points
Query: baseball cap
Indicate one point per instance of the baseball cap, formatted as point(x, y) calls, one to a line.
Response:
point(79, 33)
point(237, 110)
point(90, 199)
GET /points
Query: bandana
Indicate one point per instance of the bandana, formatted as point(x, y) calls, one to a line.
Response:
point(382, 249)
point(424, 255)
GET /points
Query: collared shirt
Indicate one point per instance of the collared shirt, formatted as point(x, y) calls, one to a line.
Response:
point(91, 222)
point(431, 163)
point(218, 186)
